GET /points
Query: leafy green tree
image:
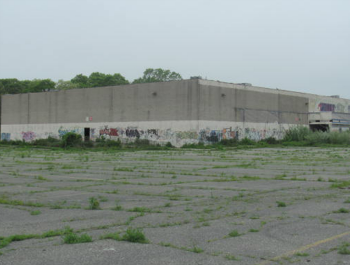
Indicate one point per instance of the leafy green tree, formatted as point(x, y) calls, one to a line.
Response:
point(80, 80)
point(151, 75)
point(11, 86)
point(97, 79)
point(65, 85)
point(40, 85)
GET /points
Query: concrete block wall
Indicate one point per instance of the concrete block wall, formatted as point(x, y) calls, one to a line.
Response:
point(180, 112)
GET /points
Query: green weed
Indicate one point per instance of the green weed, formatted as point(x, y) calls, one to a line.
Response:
point(234, 233)
point(73, 238)
point(94, 204)
point(281, 204)
point(134, 236)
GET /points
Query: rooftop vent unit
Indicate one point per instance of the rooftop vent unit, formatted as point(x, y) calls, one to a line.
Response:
point(335, 96)
point(196, 77)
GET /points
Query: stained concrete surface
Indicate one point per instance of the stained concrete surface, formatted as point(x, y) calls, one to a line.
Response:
point(183, 200)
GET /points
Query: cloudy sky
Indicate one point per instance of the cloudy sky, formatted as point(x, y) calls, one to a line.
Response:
point(301, 45)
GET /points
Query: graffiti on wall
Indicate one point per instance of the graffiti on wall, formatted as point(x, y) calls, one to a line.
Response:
point(6, 136)
point(206, 135)
point(62, 131)
point(326, 107)
point(28, 136)
point(109, 132)
point(332, 107)
point(177, 138)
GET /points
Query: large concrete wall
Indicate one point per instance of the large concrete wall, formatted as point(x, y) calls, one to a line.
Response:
point(139, 102)
point(187, 111)
point(241, 104)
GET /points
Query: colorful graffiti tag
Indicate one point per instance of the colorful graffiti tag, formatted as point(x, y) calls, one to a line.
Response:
point(62, 131)
point(326, 107)
point(109, 132)
point(28, 136)
point(177, 138)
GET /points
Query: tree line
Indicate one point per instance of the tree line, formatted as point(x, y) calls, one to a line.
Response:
point(95, 79)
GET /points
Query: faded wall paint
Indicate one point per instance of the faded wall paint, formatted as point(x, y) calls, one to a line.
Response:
point(177, 133)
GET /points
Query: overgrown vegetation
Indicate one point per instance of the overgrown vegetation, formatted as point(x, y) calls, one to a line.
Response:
point(5, 241)
point(295, 136)
point(344, 248)
point(134, 235)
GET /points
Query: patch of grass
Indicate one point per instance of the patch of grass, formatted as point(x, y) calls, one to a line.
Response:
point(341, 184)
point(4, 241)
point(342, 210)
point(4, 200)
point(123, 169)
point(73, 238)
point(94, 204)
point(37, 212)
point(253, 230)
point(41, 178)
point(140, 210)
point(196, 249)
point(234, 233)
point(302, 254)
point(134, 235)
point(347, 201)
point(343, 249)
point(281, 204)
point(7, 240)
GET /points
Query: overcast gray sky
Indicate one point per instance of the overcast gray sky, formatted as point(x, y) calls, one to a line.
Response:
point(300, 45)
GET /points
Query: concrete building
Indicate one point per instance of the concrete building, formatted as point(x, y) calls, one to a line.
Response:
point(180, 112)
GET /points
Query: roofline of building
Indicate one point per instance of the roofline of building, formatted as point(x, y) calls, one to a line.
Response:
point(244, 86)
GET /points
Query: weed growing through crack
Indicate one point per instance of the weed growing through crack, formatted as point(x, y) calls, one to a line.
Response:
point(196, 249)
point(302, 254)
point(94, 204)
point(343, 249)
point(342, 210)
point(73, 238)
point(281, 204)
point(35, 212)
point(134, 235)
point(234, 233)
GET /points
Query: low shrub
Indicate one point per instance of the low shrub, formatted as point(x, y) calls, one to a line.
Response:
point(298, 133)
point(71, 139)
point(134, 235)
point(281, 204)
point(94, 204)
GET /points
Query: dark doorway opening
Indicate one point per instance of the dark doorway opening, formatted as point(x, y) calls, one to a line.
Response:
point(319, 127)
point(86, 134)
